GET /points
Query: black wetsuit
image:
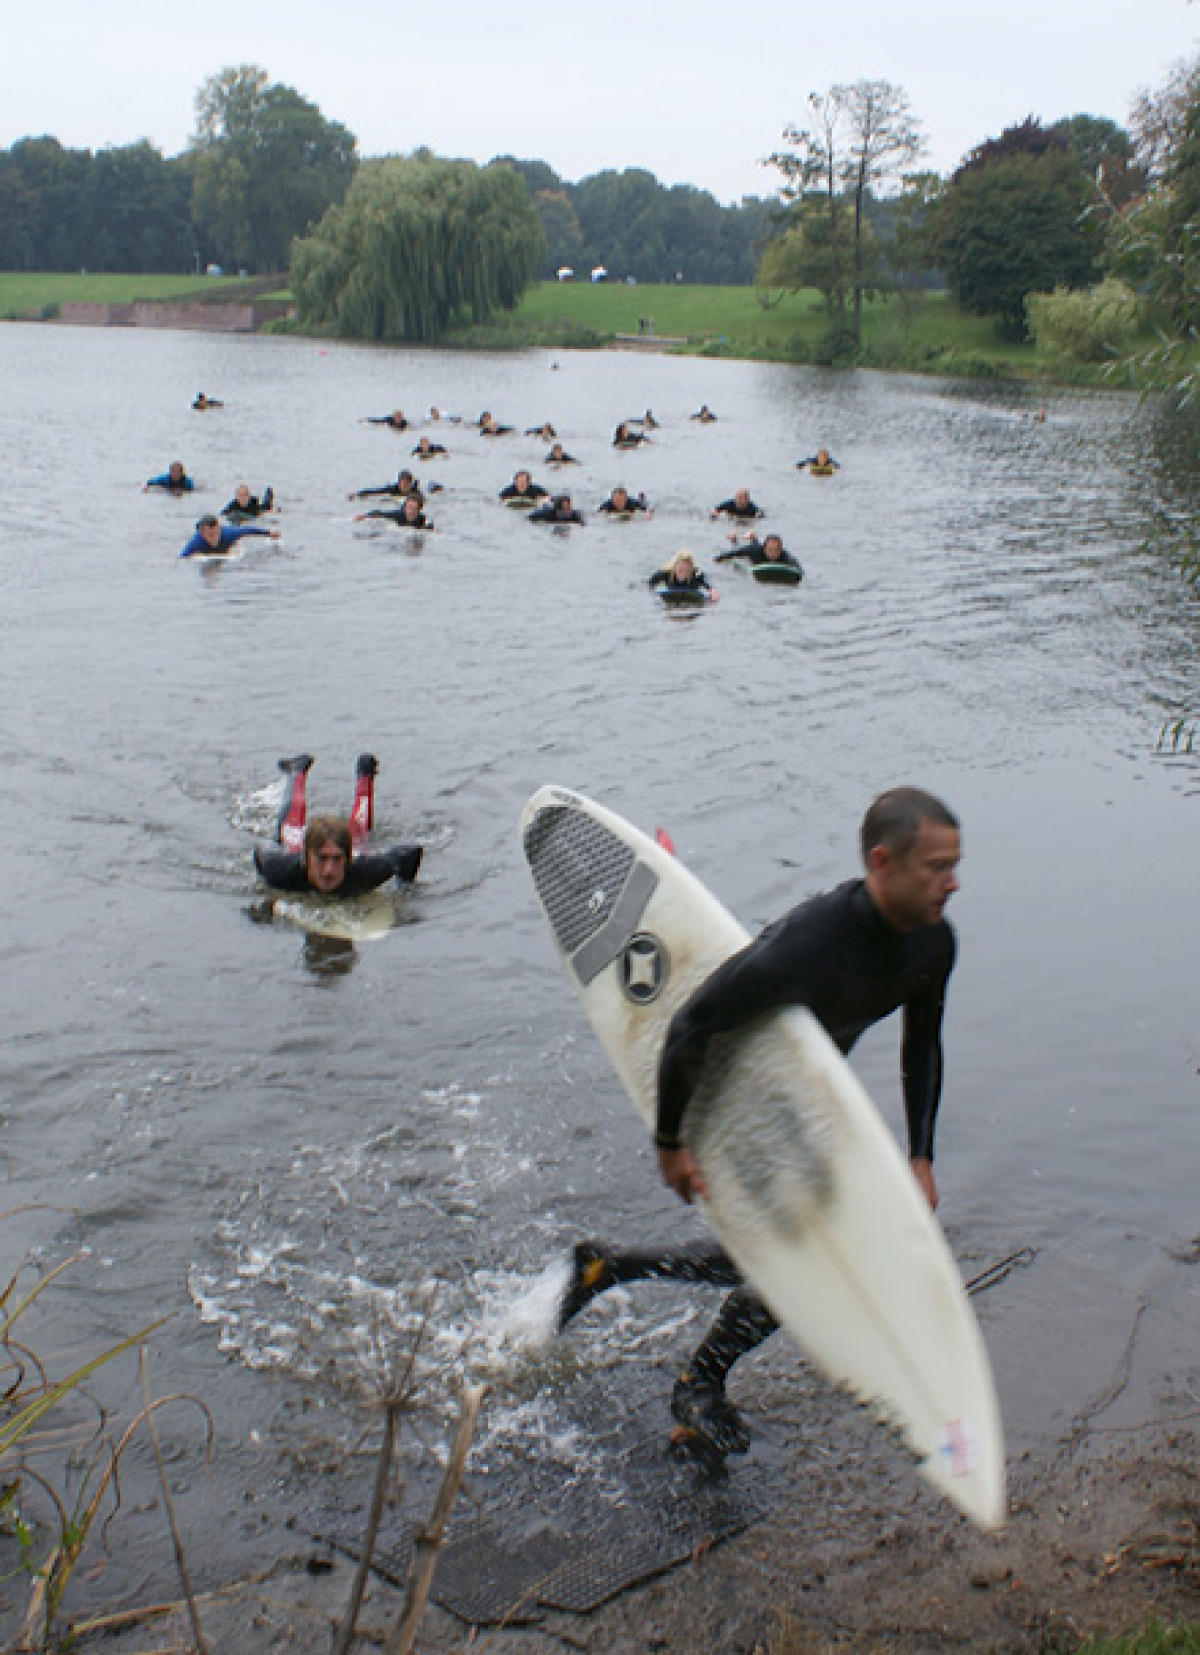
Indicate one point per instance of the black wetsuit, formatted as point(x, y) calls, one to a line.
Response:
point(560, 459)
point(288, 870)
point(392, 489)
point(730, 508)
point(388, 419)
point(753, 549)
point(696, 581)
point(397, 516)
point(634, 503)
point(838, 956)
point(534, 492)
point(428, 451)
point(254, 507)
point(551, 514)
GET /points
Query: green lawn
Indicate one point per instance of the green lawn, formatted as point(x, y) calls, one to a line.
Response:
point(35, 293)
point(925, 333)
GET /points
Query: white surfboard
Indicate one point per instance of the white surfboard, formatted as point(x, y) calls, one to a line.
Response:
point(363, 918)
point(809, 1192)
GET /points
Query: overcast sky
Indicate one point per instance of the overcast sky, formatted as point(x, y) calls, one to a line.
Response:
point(695, 91)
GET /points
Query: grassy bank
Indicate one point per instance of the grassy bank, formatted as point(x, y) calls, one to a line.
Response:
point(40, 293)
point(924, 333)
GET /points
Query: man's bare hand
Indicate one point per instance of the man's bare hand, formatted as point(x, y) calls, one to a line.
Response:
point(923, 1173)
point(681, 1173)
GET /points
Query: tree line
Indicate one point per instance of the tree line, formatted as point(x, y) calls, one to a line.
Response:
point(264, 165)
point(404, 246)
point(1076, 232)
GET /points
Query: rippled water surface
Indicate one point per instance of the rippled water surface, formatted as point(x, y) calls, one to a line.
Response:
point(262, 1137)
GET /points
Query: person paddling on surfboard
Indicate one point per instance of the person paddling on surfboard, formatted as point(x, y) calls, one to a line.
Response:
point(680, 575)
point(853, 956)
point(327, 855)
point(770, 549)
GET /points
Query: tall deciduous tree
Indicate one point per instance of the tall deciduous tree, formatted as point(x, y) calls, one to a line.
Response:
point(858, 137)
point(1012, 221)
point(417, 243)
point(267, 164)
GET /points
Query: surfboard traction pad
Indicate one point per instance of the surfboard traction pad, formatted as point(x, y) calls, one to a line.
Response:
point(533, 1532)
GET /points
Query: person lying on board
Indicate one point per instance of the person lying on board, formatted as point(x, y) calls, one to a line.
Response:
point(738, 505)
point(245, 505)
point(395, 421)
point(328, 855)
point(202, 403)
point(769, 549)
point(822, 460)
point(874, 945)
point(557, 456)
point(621, 503)
point(680, 575)
point(559, 510)
point(704, 414)
point(410, 514)
point(626, 437)
point(404, 485)
point(174, 479)
point(523, 488)
point(214, 538)
point(426, 448)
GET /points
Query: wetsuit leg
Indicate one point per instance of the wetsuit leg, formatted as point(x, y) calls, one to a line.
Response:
point(362, 812)
point(289, 826)
point(742, 1323)
point(596, 1268)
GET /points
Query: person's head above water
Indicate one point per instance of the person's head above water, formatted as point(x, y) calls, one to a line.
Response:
point(911, 845)
point(327, 853)
point(772, 547)
point(176, 472)
point(209, 528)
point(683, 565)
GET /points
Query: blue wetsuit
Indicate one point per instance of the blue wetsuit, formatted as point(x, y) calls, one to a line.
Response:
point(229, 533)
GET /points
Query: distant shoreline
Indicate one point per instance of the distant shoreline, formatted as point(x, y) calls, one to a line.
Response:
point(922, 333)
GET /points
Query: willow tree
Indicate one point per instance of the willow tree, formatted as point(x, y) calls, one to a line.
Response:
point(418, 243)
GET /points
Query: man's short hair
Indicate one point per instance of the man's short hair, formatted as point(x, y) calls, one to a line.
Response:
point(208, 521)
point(327, 830)
point(894, 819)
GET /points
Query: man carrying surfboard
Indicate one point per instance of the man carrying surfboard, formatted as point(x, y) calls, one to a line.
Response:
point(852, 956)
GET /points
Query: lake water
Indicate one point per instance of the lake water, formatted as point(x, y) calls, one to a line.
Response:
point(261, 1138)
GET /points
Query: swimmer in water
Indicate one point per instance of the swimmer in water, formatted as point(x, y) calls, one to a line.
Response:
point(769, 549)
point(704, 414)
point(626, 437)
point(739, 505)
point(822, 460)
point(560, 510)
point(395, 421)
point(426, 448)
point(202, 403)
point(409, 515)
point(546, 432)
point(404, 485)
point(489, 428)
point(621, 503)
point(523, 489)
point(556, 456)
point(214, 538)
point(328, 855)
point(174, 480)
point(680, 575)
point(245, 505)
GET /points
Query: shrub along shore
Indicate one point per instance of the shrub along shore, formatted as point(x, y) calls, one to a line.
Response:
point(922, 332)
